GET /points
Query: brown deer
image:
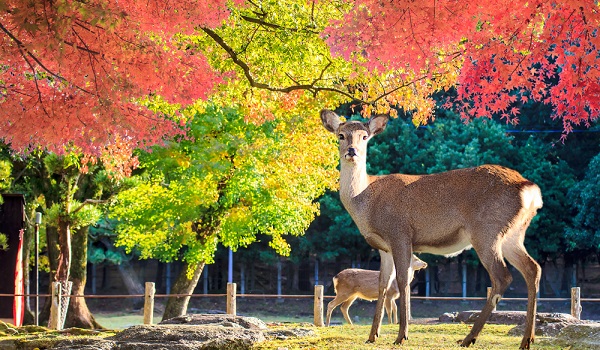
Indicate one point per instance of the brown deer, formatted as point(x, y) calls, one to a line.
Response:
point(350, 284)
point(488, 208)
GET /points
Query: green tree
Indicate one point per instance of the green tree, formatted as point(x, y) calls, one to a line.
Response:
point(225, 182)
point(584, 235)
point(65, 190)
point(5, 182)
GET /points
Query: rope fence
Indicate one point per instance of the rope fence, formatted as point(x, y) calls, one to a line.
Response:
point(57, 310)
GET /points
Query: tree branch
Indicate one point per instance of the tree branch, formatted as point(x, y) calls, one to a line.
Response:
point(275, 26)
point(246, 69)
point(24, 51)
point(88, 201)
point(311, 87)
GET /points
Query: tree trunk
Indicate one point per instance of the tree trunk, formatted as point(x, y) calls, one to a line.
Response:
point(78, 314)
point(129, 276)
point(53, 252)
point(295, 277)
point(132, 283)
point(64, 245)
point(177, 306)
point(28, 238)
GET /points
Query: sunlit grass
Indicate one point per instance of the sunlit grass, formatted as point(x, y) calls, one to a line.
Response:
point(345, 337)
point(437, 336)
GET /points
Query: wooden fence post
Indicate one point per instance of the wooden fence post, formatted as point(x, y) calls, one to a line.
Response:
point(231, 298)
point(55, 316)
point(318, 319)
point(149, 303)
point(576, 302)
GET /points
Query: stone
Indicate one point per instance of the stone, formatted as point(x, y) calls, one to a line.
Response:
point(514, 317)
point(290, 333)
point(548, 324)
point(197, 332)
point(171, 337)
point(448, 317)
point(217, 319)
point(578, 337)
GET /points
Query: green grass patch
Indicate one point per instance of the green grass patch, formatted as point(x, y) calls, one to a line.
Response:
point(430, 337)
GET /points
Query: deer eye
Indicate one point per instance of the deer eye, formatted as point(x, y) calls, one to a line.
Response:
point(365, 137)
point(341, 136)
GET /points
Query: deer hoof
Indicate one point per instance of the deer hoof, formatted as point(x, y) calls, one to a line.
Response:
point(369, 341)
point(400, 340)
point(466, 342)
point(526, 343)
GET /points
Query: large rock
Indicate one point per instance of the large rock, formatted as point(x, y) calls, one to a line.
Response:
point(507, 317)
point(198, 331)
point(218, 320)
point(549, 324)
point(202, 331)
point(183, 337)
point(578, 337)
point(181, 333)
point(557, 329)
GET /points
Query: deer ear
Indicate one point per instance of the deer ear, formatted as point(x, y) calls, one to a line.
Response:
point(331, 121)
point(377, 124)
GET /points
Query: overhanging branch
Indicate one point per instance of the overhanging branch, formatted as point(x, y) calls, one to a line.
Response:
point(312, 87)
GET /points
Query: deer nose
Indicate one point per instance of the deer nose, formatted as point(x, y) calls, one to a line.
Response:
point(351, 151)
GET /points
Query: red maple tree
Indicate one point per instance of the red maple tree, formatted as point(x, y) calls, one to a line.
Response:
point(507, 51)
point(71, 71)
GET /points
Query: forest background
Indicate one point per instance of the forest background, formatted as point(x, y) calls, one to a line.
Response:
point(150, 132)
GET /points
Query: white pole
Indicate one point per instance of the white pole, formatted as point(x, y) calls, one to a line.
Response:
point(427, 284)
point(464, 280)
point(230, 272)
point(38, 221)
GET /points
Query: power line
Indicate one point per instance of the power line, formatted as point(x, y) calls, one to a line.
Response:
point(548, 131)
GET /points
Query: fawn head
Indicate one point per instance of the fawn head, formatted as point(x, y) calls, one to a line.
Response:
point(353, 136)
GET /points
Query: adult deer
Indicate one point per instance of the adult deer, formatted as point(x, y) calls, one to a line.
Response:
point(350, 284)
point(488, 208)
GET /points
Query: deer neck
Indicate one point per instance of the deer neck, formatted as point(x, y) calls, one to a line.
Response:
point(353, 181)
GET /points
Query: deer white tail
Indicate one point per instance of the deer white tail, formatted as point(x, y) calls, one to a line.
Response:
point(531, 196)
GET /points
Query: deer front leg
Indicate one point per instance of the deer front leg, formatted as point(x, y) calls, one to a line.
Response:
point(385, 273)
point(402, 259)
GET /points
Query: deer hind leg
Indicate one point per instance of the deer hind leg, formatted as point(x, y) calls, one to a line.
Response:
point(493, 261)
point(389, 308)
point(333, 304)
point(392, 309)
point(516, 254)
point(344, 308)
point(385, 273)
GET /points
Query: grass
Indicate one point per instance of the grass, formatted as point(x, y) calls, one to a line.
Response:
point(293, 313)
point(345, 337)
point(430, 337)
point(121, 321)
